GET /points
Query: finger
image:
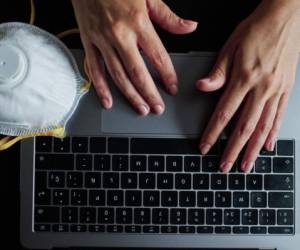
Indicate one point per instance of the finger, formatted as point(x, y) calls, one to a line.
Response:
point(97, 74)
point(120, 78)
point(260, 134)
point(154, 49)
point(161, 14)
point(225, 109)
point(250, 116)
point(139, 75)
point(271, 139)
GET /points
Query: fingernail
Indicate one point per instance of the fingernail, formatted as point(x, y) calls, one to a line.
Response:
point(158, 109)
point(204, 148)
point(271, 145)
point(173, 89)
point(188, 22)
point(247, 166)
point(143, 109)
point(106, 103)
point(226, 166)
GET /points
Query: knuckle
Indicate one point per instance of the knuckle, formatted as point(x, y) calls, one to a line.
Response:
point(118, 76)
point(246, 129)
point(223, 116)
point(160, 58)
point(246, 75)
point(137, 75)
point(117, 30)
point(265, 128)
point(139, 19)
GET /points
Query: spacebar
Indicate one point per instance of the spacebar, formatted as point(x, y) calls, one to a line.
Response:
point(164, 146)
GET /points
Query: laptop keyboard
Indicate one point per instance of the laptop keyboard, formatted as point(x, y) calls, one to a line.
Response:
point(159, 186)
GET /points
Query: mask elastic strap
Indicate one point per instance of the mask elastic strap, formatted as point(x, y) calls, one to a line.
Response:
point(32, 14)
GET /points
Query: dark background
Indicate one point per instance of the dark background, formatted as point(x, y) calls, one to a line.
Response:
point(217, 19)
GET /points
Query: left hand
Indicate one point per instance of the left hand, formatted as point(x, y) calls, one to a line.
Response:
point(258, 64)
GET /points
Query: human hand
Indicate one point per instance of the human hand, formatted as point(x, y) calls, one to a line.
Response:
point(115, 31)
point(258, 64)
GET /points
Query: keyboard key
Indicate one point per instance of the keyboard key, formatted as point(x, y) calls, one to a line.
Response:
point(249, 217)
point(124, 215)
point(54, 162)
point(205, 230)
point(78, 228)
point(138, 163)
point(267, 217)
point(115, 197)
point(281, 230)
point(84, 162)
point(165, 181)
point(223, 199)
point(231, 217)
point(96, 228)
point(236, 181)
point(183, 181)
point(218, 181)
point(169, 229)
point(120, 163)
point(102, 162)
point(60, 197)
point(46, 214)
point(210, 164)
point(187, 229)
point(205, 199)
point(240, 230)
point(156, 163)
point(178, 216)
point(192, 164)
point(62, 145)
point(240, 199)
point(285, 217)
point(118, 145)
point(97, 197)
point(106, 215)
point(280, 199)
point(97, 144)
point(258, 199)
point(201, 181)
point(254, 182)
point(169, 199)
point(285, 147)
point(195, 216)
point(42, 193)
point(79, 197)
point(147, 181)
point(87, 215)
point(279, 182)
point(56, 179)
point(80, 144)
point(92, 180)
point(174, 163)
point(74, 179)
point(133, 229)
point(110, 180)
point(222, 230)
point(283, 165)
point(263, 151)
point(60, 228)
point(69, 215)
point(214, 216)
point(263, 165)
point(160, 216)
point(151, 198)
point(43, 144)
point(129, 180)
point(142, 215)
point(187, 199)
point(42, 228)
point(258, 230)
point(133, 198)
point(151, 229)
point(114, 229)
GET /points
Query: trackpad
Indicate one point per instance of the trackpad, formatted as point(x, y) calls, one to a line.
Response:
point(186, 113)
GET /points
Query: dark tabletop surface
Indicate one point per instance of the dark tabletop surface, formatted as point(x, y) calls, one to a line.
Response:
point(217, 19)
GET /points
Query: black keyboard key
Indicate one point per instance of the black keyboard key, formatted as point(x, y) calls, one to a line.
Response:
point(164, 146)
point(178, 216)
point(78, 228)
point(240, 230)
point(114, 229)
point(147, 181)
point(240, 199)
point(115, 197)
point(187, 229)
point(42, 193)
point(97, 144)
point(210, 163)
point(236, 181)
point(92, 180)
point(84, 162)
point(62, 145)
point(96, 228)
point(151, 229)
point(106, 215)
point(263, 151)
point(281, 230)
point(169, 198)
point(254, 182)
point(183, 181)
point(160, 216)
point(205, 230)
point(156, 163)
point(120, 163)
point(205, 199)
point(43, 144)
point(281, 199)
point(118, 145)
point(124, 215)
point(87, 215)
point(174, 163)
point(110, 180)
point(283, 165)
point(285, 217)
point(249, 217)
point(42, 228)
point(223, 199)
point(69, 215)
point(129, 180)
point(79, 197)
point(142, 215)
point(165, 181)
point(195, 216)
point(74, 179)
point(200, 181)
point(151, 198)
point(267, 217)
point(80, 144)
point(46, 214)
point(138, 163)
point(222, 230)
point(169, 229)
point(232, 217)
point(263, 165)
point(214, 216)
point(133, 198)
point(285, 147)
point(54, 161)
point(56, 179)
point(133, 229)
point(187, 199)
point(97, 197)
point(60, 197)
point(192, 164)
point(218, 181)
point(102, 162)
point(279, 182)
point(258, 199)
point(61, 228)
point(258, 230)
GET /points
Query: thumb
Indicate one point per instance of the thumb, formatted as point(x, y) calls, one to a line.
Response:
point(161, 14)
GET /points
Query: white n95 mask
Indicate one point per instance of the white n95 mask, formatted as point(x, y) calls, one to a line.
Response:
point(40, 84)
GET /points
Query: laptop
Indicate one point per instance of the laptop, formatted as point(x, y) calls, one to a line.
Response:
point(121, 180)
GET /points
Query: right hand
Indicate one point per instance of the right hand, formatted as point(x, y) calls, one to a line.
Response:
point(115, 31)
